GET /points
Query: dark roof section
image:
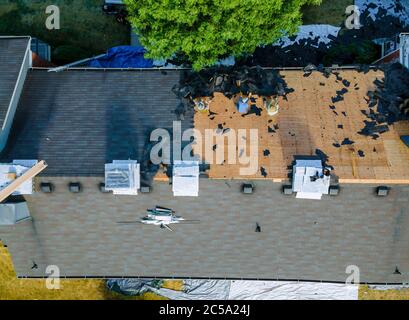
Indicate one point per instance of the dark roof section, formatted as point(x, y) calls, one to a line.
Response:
point(78, 120)
point(299, 239)
point(12, 51)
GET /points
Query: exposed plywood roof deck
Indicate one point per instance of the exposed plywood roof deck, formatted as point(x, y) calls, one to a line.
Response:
point(306, 122)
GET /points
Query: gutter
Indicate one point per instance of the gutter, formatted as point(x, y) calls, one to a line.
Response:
point(209, 278)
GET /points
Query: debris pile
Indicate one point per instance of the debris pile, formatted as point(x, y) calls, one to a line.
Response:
point(229, 81)
point(298, 54)
point(317, 34)
point(378, 18)
point(392, 99)
point(394, 8)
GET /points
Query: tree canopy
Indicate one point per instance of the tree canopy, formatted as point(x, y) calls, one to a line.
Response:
point(205, 31)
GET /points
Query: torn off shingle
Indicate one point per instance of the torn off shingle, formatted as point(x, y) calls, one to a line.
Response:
point(347, 141)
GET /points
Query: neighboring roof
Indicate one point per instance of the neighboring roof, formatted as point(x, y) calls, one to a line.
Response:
point(79, 120)
point(299, 239)
point(12, 51)
point(389, 58)
point(309, 179)
point(307, 120)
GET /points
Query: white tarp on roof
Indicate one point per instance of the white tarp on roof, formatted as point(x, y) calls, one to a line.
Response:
point(257, 290)
point(399, 9)
point(321, 31)
point(12, 213)
point(287, 290)
point(123, 177)
point(309, 181)
point(185, 181)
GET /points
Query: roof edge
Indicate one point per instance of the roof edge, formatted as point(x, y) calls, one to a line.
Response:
point(18, 88)
point(351, 67)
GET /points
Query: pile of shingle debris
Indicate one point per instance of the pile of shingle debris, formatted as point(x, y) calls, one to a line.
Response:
point(392, 99)
point(229, 81)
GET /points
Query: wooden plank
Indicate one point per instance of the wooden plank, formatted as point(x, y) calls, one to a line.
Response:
point(29, 174)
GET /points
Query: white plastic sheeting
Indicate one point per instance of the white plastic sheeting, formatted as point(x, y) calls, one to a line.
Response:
point(321, 31)
point(199, 290)
point(185, 181)
point(260, 290)
point(123, 177)
point(399, 9)
point(240, 290)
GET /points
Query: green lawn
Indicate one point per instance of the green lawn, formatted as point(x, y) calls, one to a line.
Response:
point(85, 29)
point(329, 12)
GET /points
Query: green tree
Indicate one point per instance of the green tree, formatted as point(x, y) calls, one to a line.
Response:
point(205, 31)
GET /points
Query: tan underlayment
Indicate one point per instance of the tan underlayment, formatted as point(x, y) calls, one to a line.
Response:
point(305, 123)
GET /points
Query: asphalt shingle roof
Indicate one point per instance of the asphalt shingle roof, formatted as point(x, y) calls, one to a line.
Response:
point(299, 239)
point(79, 120)
point(12, 51)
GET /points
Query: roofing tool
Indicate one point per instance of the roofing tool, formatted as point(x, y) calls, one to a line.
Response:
point(160, 216)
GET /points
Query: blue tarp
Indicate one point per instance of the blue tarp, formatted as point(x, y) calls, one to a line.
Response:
point(405, 139)
point(123, 57)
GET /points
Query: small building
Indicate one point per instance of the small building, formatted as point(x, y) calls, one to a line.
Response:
point(395, 49)
point(404, 49)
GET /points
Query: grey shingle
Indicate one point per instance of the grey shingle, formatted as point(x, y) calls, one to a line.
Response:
point(79, 120)
point(12, 51)
point(299, 239)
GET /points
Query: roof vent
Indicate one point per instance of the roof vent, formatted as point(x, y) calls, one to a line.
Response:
point(122, 177)
point(185, 180)
point(74, 187)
